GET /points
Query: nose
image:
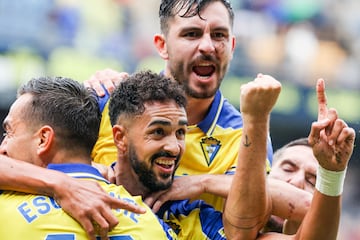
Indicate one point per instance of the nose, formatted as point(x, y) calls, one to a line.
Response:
point(298, 180)
point(173, 145)
point(206, 44)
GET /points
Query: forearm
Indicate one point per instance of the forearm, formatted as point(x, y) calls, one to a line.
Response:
point(248, 203)
point(326, 206)
point(324, 211)
point(288, 201)
point(218, 185)
point(24, 177)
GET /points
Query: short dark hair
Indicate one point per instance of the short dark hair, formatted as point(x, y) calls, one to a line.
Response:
point(170, 8)
point(297, 142)
point(68, 107)
point(143, 87)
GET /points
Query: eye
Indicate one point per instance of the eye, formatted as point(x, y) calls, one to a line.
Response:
point(192, 34)
point(311, 180)
point(159, 132)
point(287, 167)
point(181, 133)
point(6, 134)
point(218, 35)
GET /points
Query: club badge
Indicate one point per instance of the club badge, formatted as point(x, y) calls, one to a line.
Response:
point(210, 147)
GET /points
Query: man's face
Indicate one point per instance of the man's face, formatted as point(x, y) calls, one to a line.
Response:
point(200, 49)
point(20, 139)
point(156, 144)
point(297, 166)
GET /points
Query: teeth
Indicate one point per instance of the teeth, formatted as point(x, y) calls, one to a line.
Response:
point(204, 77)
point(204, 64)
point(165, 162)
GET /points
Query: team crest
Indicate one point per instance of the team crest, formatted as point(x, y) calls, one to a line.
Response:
point(210, 147)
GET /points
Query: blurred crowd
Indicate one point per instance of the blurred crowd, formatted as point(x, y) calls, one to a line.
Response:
point(296, 41)
point(300, 41)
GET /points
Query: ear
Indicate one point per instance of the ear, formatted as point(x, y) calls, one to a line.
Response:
point(233, 44)
point(160, 44)
point(46, 138)
point(120, 138)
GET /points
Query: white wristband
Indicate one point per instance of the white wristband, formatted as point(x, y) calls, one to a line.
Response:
point(330, 183)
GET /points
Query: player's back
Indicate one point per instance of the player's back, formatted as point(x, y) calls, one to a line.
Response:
point(27, 216)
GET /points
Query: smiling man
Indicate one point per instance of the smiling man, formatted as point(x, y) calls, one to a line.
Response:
point(54, 123)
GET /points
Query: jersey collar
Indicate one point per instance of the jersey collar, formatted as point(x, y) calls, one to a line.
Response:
point(208, 124)
point(78, 170)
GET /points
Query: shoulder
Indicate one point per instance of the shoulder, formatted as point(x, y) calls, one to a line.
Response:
point(230, 117)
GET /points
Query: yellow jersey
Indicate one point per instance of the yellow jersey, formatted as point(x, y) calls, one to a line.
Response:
point(28, 216)
point(211, 146)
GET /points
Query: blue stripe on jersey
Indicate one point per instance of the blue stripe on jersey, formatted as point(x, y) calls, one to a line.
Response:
point(170, 233)
point(210, 219)
point(78, 170)
point(103, 100)
point(221, 113)
point(225, 115)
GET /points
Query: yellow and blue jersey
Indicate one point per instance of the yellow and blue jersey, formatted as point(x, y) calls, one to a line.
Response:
point(28, 216)
point(193, 220)
point(104, 151)
point(211, 146)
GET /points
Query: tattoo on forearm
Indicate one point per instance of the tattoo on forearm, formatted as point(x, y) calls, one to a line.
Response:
point(247, 142)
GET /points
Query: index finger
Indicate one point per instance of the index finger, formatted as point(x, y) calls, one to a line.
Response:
point(126, 205)
point(322, 101)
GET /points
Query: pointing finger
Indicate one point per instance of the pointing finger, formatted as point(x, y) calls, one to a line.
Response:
point(322, 101)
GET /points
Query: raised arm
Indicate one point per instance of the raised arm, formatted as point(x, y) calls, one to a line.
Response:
point(85, 201)
point(248, 205)
point(332, 141)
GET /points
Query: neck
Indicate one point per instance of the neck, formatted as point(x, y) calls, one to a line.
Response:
point(63, 156)
point(126, 177)
point(197, 109)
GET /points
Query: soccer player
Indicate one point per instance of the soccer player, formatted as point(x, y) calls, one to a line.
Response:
point(54, 123)
point(296, 164)
point(197, 44)
point(332, 142)
point(149, 124)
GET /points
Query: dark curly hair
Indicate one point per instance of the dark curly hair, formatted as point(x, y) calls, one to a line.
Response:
point(140, 88)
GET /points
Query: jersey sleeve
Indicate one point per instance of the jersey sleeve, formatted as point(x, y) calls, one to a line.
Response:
point(104, 151)
point(193, 220)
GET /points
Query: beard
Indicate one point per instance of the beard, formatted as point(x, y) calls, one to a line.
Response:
point(178, 71)
point(205, 92)
point(146, 175)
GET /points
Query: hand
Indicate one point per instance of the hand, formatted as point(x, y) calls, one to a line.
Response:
point(90, 205)
point(185, 187)
point(331, 138)
point(108, 78)
point(106, 171)
point(259, 96)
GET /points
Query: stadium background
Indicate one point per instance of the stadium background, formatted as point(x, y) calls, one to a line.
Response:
point(296, 41)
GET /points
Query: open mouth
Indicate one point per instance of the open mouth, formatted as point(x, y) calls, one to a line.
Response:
point(166, 164)
point(204, 70)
